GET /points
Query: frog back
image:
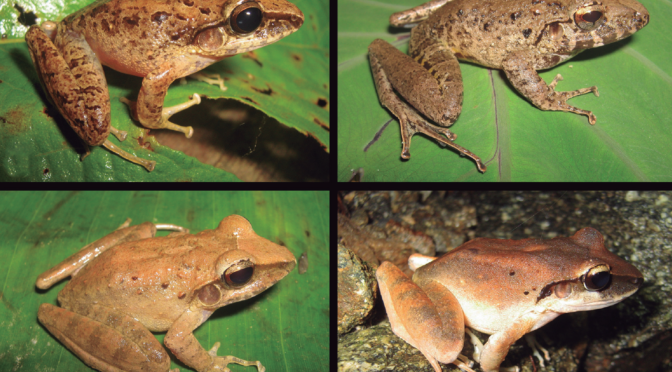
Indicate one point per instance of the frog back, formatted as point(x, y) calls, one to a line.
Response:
point(486, 32)
point(153, 280)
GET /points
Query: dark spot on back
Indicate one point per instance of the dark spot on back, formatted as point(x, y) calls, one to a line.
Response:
point(159, 17)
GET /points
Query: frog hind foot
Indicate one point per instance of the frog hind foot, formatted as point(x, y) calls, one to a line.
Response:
point(220, 362)
point(412, 123)
point(166, 113)
point(120, 343)
point(386, 65)
point(148, 164)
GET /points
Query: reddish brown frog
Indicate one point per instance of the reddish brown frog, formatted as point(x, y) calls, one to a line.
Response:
point(129, 283)
point(504, 288)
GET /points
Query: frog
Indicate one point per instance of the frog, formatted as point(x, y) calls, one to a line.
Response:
point(130, 283)
point(158, 40)
point(504, 288)
point(516, 36)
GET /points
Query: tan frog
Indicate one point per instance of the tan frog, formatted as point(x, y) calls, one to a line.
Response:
point(159, 40)
point(517, 36)
point(505, 288)
point(129, 283)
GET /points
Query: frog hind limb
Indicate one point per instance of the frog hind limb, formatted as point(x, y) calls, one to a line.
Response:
point(137, 348)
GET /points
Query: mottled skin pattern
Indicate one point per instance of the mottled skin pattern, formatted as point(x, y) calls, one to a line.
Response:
point(159, 40)
point(504, 288)
point(517, 36)
point(88, 108)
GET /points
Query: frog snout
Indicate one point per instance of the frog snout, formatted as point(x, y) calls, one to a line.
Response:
point(641, 14)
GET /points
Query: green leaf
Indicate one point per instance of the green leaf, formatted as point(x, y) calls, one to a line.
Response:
point(286, 327)
point(518, 142)
point(287, 81)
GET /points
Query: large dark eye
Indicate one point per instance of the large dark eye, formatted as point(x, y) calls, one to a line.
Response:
point(589, 18)
point(246, 17)
point(597, 278)
point(238, 275)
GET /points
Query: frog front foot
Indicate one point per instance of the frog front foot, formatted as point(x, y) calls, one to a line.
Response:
point(562, 97)
point(412, 123)
point(536, 348)
point(166, 113)
point(220, 363)
point(212, 79)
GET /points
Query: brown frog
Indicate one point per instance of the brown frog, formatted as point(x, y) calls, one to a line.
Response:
point(129, 283)
point(504, 288)
point(517, 36)
point(159, 40)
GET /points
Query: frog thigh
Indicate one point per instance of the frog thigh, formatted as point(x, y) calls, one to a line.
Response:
point(79, 93)
point(432, 85)
point(429, 318)
point(106, 340)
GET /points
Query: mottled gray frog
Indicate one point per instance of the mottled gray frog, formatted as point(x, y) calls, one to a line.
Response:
point(517, 36)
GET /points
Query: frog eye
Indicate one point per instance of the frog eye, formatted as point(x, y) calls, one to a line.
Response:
point(597, 278)
point(239, 274)
point(246, 17)
point(589, 18)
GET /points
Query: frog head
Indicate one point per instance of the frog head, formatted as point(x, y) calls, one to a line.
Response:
point(590, 24)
